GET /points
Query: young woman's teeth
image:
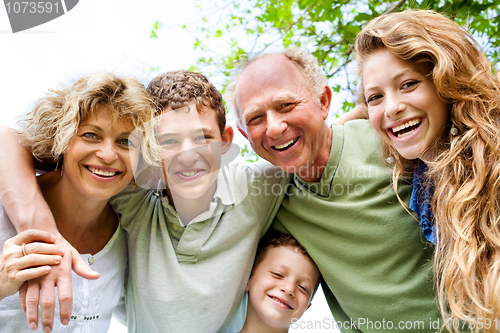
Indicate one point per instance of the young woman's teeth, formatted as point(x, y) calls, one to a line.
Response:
point(286, 144)
point(407, 128)
point(102, 172)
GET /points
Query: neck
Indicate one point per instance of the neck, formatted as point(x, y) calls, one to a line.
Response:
point(77, 218)
point(314, 170)
point(188, 209)
point(253, 325)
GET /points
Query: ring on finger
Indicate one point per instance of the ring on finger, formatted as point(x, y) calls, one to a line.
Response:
point(23, 249)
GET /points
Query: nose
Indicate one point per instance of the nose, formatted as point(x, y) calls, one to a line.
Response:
point(394, 105)
point(288, 288)
point(107, 152)
point(276, 125)
point(188, 155)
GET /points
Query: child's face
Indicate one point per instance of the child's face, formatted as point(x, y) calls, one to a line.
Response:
point(192, 146)
point(281, 287)
point(403, 103)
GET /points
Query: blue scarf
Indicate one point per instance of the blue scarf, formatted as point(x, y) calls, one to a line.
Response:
point(420, 202)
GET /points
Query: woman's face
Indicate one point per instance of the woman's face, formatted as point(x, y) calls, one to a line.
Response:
point(403, 104)
point(97, 163)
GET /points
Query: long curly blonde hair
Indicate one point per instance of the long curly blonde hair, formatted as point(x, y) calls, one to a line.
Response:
point(53, 123)
point(466, 173)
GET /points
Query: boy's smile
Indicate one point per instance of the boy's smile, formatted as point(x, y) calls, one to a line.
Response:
point(191, 144)
point(281, 287)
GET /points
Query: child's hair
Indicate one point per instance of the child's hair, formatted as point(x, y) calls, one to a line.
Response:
point(51, 126)
point(274, 241)
point(176, 89)
point(466, 173)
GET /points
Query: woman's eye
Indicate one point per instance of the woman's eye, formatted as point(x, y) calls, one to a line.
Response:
point(373, 98)
point(90, 135)
point(126, 142)
point(285, 106)
point(408, 84)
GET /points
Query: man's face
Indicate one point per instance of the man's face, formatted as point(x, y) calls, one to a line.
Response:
point(191, 150)
point(280, 117)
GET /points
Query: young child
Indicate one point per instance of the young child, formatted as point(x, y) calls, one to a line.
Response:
point(281, 286)
point(434, 100)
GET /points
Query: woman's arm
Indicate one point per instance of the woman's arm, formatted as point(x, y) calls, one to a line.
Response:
point(359, 112)
point(27, 209)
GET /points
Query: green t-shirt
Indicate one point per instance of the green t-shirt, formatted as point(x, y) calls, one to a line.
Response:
point(371, 253)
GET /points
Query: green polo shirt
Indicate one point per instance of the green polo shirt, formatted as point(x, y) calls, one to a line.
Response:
point(371, 253)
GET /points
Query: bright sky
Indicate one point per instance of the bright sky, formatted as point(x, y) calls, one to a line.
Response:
point(111, 35)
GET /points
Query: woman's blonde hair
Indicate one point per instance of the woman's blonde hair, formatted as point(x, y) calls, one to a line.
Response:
point(466, 173)
point(53, 123)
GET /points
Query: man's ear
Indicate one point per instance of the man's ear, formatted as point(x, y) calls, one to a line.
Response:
point(325, 100)
point(227, 138)
point(242, 132)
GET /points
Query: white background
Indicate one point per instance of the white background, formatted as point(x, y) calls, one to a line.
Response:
point(107, 35)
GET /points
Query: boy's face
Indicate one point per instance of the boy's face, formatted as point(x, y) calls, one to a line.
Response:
point(192, 146)
point(281, 287)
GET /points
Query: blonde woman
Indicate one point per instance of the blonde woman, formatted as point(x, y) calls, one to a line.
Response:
point(85, 130)
point(433, 99)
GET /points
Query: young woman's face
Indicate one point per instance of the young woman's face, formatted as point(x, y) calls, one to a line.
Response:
point(97, 162)
point(403, 104)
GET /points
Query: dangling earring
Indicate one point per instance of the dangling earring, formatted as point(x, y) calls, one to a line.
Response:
point(453, 130)
point(57, 165)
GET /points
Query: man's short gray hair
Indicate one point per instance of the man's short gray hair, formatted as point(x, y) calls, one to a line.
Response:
point(306, 63)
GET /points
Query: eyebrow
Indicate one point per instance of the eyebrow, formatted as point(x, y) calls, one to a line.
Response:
point(99, 129)
point(194, 131)
point(396, 77)
point(278, 98)
point(287, 268)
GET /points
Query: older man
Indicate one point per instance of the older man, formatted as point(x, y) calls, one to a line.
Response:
point(370, 251)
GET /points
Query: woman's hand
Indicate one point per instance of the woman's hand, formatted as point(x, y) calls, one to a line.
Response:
point(27, 256)
point(42, 290)
point(359, 112)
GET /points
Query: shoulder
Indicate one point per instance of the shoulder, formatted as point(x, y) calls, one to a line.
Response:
point(260, 170)
point(360, 128)
point(359, 139)
point(131, 197)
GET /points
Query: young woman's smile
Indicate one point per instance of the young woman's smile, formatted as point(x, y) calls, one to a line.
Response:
point(403, 103)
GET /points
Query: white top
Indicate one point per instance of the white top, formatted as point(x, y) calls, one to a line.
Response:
point(93, 300)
